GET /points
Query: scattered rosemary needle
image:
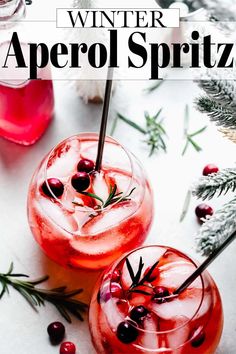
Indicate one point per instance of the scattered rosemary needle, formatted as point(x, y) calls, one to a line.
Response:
point(189, 136)
point(186, 205)
point(63, 300)
point(155, 86)
point(154, 130)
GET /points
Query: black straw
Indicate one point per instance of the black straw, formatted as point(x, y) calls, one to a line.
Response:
point(103, 126)
point(205, 264)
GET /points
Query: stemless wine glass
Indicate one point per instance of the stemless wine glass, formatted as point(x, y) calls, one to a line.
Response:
point(133, 309)
point(89, 225)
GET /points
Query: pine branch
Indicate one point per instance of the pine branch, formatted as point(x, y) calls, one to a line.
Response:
point(217, 229)
point(219, 183)
point(218, 114)
point(220, 91)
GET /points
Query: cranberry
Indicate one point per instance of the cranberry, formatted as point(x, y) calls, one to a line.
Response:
point(85, 165)
point(67, 348)
point(127, 332)
point(56, 332)
point(209, 169)
point(203, 210)
point(138, 313)
point(116, 290)
point(154, 275)
point(56, 187)
point(199, 338)
point(80, 181)
point(115, 275)
point(160, 293)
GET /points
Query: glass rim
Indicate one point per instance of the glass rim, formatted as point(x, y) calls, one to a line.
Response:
point(95, 136)
point(121, 259)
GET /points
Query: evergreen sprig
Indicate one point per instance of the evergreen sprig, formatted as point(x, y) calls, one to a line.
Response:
point(112, 198)
point(63, 300)
point(217, 228)
point(222, 116)
point(154, 130)
point(220, 91)
point(137, 281)
point(189, 137)
point(215, 184)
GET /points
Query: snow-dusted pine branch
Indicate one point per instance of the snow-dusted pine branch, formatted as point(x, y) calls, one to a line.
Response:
point(217, 228)
point(220, 91)
point(215, 184)
point(220, 115)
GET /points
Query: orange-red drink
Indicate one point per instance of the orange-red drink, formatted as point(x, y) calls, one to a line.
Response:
point(133, 309)
point(85, 219)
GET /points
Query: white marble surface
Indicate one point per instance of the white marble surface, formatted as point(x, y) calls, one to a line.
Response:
point(23, 331)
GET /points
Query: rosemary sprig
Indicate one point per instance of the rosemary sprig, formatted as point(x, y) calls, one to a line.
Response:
point(63, 300)
point(137, 281)
point(112, 198)
point(189, 136)
point(154, 130)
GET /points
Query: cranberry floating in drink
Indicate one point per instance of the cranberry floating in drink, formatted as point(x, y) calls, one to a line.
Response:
point(85, 219)
point(145, 316)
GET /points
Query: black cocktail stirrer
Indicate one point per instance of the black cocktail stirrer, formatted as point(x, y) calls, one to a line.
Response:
point(103, 126)
point(205, 264)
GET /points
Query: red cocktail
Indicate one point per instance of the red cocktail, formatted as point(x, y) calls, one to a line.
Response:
point(133, 309)
point(85, 219)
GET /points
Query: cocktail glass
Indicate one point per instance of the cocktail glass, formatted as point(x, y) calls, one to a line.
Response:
point(81, 230)
point(133, 309)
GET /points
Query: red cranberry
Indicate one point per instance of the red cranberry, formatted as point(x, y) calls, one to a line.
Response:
point(127, 332)
point(116, 290)
point(56, 187)
point(154, 275)
point(67, 348)
point(199, 338)
point(160, 293)
point(80, 181)
point(115, 275)
point(138, 313)
point(209, 169)
point(56, 332)
point(203, 210)
point(85, 165)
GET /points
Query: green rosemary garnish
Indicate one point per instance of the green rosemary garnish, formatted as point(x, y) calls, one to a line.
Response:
point(189, 137)
point(137, 281)
point(63, 300)
point(154, 130)
point(112, 198)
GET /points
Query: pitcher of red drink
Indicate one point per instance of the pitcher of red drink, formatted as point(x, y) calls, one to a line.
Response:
point(26, 106)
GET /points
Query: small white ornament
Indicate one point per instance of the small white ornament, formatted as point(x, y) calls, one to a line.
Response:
point(184, 10)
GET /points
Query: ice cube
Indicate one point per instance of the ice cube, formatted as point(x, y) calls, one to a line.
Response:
point(149, 338)
point(113, 155)
point(108, 218)
point(65, 162)
point(172, 275)
point(178, 337)
point(122, 180)
point(113, 314)
point(180, 306)
point(100, 187)
point(54, 211)
point(149, 256)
